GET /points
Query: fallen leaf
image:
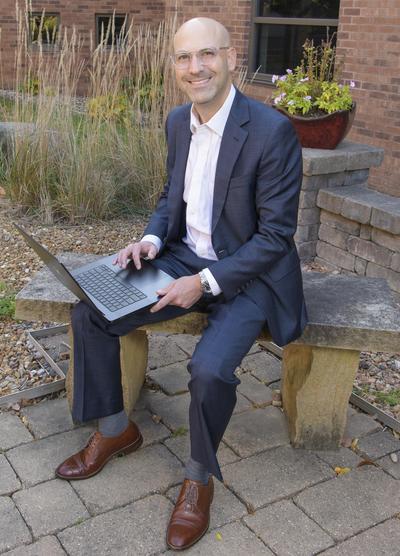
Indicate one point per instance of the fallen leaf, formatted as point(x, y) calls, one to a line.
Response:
point(366, 462)
point(394, 458)
point(342, 470)
point(354, 444)
point(218, 536)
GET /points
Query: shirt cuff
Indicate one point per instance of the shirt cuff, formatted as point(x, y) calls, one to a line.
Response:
point(154, 240)
point(216, 290)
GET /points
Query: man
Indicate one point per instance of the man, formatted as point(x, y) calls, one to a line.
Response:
point(224, 229)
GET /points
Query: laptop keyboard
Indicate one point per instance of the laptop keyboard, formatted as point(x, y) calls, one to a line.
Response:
point(104, 285)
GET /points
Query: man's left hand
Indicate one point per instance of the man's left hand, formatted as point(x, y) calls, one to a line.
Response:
point(183, 292)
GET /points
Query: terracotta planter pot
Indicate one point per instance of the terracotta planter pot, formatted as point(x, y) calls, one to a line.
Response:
point(322, 132)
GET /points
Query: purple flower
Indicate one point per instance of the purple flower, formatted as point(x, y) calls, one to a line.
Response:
point(277, 99)
point(289, 71)
point(275, 78)
point(283, 78)
point(352, 84)
point(291, 102)
point(307, 97)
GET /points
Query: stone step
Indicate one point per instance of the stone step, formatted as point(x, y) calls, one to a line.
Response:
point(347, 156)
point(363, 205)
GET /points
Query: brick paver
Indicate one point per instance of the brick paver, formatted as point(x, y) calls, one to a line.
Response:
point(351, 503)
point(50, 506)
point(48, 417)
point(287, 530)
point(13, 529)
point(257, 430)
point(8, 479)
point(382, 540)
point(128, 478)
point(12, 431)
point(46, 546)
point(138, 529)
point(234, 538)
point(275, 499)
point(180, 446)
point(35, 462)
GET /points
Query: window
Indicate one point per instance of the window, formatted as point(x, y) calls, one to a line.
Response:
point(110, 29)
point(44, 28)
point(280, 28)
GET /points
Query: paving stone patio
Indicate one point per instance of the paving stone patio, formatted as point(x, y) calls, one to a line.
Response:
point(275, 500)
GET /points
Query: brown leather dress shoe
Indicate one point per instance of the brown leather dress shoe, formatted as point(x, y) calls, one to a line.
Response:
point(98, 451)
point(191, 516)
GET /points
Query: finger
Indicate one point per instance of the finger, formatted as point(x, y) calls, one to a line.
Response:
point(164, 291)
point(152, 252)
point(136, 258)
point(164, 301)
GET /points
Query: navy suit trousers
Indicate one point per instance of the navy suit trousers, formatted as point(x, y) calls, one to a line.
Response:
point(232, 328)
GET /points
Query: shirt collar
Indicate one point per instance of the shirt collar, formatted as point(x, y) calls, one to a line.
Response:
point(218, 121)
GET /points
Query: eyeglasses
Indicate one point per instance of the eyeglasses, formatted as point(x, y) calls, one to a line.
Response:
point(206, 56)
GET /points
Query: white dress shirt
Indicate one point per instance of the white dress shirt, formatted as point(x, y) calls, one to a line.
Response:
point(199, 184)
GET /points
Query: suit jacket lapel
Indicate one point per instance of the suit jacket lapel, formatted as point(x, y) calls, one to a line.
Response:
point(175, 196)
point(231, 144)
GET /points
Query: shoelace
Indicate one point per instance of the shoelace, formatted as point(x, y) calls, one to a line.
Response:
point(191, 498)
point(93, 440)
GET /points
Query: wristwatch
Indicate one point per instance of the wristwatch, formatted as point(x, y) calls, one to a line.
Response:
point(205, 286)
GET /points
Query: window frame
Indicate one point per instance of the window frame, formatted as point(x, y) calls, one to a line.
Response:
point(48, 47)
point(253, 40)
point(111, 16)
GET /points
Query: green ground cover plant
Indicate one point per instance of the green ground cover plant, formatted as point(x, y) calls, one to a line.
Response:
point(7, 301)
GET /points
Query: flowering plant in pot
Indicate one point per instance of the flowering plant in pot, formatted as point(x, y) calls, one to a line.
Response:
point(320, 107)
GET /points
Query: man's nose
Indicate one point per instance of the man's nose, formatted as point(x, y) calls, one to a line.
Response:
point(195, 65)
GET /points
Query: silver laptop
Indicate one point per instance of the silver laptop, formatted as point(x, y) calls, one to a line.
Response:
point(110, 290)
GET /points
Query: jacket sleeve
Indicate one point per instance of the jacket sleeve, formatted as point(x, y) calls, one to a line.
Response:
point(278, 184)
point(158, 223)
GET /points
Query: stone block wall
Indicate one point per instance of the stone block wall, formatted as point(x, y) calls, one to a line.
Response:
point(347, 165)
point(359, 233)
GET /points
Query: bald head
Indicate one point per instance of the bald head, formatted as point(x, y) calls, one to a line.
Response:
point(205, 76)
point(200, 27)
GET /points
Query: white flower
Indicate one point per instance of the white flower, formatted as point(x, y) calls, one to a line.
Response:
point(307, 97)
point(275, 78)
point(352, 84)
point(304, 79)
point(290, 102)
point(277, 99)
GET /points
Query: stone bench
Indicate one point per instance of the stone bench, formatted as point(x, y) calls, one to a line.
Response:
point(347, 315)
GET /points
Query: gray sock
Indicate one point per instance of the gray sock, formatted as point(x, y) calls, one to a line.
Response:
point(113, 425)
point(196, 471)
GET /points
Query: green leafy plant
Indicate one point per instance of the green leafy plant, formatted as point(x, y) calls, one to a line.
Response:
point(391, 398)
point(313, 87)
point(7, 301)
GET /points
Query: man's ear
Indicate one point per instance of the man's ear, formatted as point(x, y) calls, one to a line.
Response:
point(231, 56)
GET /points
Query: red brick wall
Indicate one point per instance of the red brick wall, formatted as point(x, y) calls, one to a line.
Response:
point(369, 37)
point(78, 13)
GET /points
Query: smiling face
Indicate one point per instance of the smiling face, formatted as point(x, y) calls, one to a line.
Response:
point(206, 85)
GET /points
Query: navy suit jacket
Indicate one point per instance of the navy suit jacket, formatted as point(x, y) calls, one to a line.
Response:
point(254, 218)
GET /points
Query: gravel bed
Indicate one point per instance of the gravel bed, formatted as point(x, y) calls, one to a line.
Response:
point(378, 377)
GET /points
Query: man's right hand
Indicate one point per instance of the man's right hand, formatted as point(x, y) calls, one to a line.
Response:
point(136, 251)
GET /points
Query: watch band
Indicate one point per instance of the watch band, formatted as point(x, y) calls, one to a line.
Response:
point(205, 286)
